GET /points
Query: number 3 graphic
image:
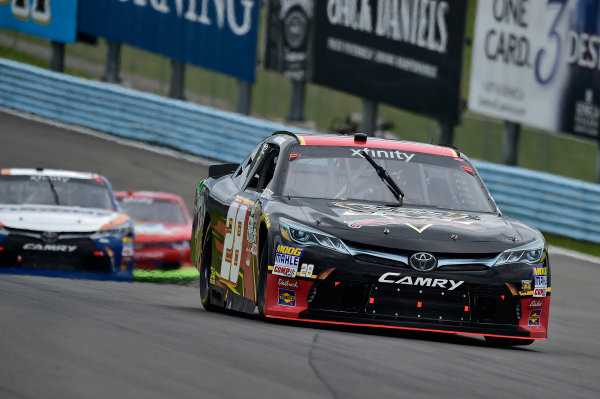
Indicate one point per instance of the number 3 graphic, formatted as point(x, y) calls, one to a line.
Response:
point(553, 34)
point(232, 246)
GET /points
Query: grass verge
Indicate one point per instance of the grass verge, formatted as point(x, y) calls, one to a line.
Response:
point(183, 275)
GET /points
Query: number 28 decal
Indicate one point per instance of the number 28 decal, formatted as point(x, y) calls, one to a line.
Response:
point(234, 239)
point(39, 10)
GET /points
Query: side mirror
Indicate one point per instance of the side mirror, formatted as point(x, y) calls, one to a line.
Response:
point(216, 171)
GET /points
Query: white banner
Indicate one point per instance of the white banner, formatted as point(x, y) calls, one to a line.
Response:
point(537, 62)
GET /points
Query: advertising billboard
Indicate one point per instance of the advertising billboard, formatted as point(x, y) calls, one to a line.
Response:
point(216, 34)
point(404, 53)
point(537, 63)
point(288, 37)
point(51, 19)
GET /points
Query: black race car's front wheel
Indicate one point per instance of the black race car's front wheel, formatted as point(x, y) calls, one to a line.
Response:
point(205, 262)
point(504, 342)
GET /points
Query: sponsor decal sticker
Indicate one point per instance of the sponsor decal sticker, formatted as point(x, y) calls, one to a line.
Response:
point(526, 285)
point(394, 278)
point(534, 317)
point(380, 153)
point(536, 304)
point(287, 297)
point(541, 281)
point(50, 247)
point(540, 271)
point(287, 283)
point(539, 292)
point(287, 258)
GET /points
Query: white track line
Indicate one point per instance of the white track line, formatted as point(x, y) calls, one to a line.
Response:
point(574, 254)
point(110, 137)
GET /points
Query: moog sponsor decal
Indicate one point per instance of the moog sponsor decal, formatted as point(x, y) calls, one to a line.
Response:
point(287, 259)
point(287, 297)
point(394, 278)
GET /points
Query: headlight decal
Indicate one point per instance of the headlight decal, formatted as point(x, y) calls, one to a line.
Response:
point(306, 236)
point(533, 253)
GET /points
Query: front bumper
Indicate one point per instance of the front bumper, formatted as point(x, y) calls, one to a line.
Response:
point(493, 301)
point(161, 257)
point(72, 255)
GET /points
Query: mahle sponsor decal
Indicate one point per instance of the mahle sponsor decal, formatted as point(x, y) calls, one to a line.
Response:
point(394, 278)
point(50, 247)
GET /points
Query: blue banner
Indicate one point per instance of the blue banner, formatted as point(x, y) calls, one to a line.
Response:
point(216, 34)
point(51, 19)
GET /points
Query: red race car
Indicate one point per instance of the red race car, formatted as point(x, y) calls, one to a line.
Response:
point(162, 228)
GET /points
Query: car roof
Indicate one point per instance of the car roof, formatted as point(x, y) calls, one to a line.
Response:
point(148, 194)
point(308, 139)
point(49, 172)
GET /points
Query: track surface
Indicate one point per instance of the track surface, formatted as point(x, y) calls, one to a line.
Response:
point(71, 339)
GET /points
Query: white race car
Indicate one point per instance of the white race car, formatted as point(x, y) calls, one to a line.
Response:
point(63, 223)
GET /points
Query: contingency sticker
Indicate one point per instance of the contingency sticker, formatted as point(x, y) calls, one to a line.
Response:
point(287, 297)
point(286, 260)
point(534, 317)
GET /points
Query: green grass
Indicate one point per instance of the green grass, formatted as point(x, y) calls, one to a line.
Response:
point(585, 247)
point(182, 275)
point(9, 53)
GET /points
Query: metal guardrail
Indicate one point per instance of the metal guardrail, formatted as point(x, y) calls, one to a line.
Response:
point(551, 203)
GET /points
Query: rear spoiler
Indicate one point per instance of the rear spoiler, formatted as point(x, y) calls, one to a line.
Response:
point(216, 171)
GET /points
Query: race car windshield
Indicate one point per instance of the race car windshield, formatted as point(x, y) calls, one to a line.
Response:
point(152, 209)
point(55, 190)
point(340, 173)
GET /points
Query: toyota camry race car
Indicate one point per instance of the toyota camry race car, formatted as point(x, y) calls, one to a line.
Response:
point(162, 228)
point(63, 223)
point(371, 232)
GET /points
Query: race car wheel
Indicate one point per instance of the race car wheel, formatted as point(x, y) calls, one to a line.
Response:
point(503, 342)
point(205, 272)
point(261, 292)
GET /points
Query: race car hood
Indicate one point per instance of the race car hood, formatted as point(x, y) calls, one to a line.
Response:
point(416, 228)
point(148, 232)
point(58, 218)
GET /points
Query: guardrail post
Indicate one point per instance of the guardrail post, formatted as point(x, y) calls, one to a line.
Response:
point(368, 124)
point(446, 136)
point(176, 88)
point(510, 143)
point(57, 59)
point(112, 63)
point(297, 101)
point(244, 97)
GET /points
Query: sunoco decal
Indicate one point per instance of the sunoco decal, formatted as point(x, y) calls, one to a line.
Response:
point(287, 297)
point(394, 278)
point(534, 317)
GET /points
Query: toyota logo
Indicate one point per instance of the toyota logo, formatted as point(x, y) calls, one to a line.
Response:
point(49, 237)
point(423, 262)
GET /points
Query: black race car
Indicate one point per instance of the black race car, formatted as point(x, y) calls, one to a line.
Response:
point(372, 232)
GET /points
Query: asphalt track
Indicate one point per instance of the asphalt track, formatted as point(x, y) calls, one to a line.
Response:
point(85, 339)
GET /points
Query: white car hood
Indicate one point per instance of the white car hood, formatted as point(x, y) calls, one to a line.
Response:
point(55, 218)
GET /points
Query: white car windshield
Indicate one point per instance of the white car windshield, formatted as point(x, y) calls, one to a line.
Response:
point(342, 173)
point(55, 190)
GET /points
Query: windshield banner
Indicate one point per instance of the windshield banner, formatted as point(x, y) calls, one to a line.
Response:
point(216, 34)
point(537, 63)
point(53, 20)
point(404, 53)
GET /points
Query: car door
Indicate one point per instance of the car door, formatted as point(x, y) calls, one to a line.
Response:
point(239, 257)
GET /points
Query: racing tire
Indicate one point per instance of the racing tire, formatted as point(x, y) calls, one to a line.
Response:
point(261, 292)
point(205, 261)
point(505, 342)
